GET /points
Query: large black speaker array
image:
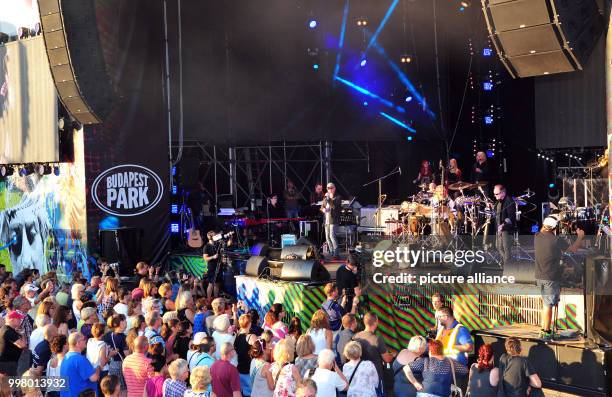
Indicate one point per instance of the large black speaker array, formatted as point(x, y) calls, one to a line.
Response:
point(76, 59)
point(540, 37)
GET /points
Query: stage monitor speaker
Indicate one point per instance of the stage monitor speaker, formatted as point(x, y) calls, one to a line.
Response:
point(256, 265)
point(303, 252)
point(260, 249)
point(541, 37)
point(76, 58)
point(299, 270)
point(122, 245)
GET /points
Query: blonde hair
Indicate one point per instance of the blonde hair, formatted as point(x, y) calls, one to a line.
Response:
point(111, 285)
point(177, 368)
point(352, 350)
point(304, 346)
point(76, 290)
point(417, 344)
point(221, 323)
point(217, 303)
point(283, 353)
point(319, 320)
point(182, 300)
point(165, 287)
point(147, 288)
point(244, 321)
point(200, 378)
point(87, 312)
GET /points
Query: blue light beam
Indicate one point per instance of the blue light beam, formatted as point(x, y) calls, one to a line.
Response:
point(405, 80)
point(397, 122)
point(366, 92)
point(381, 26)
point(341, 41)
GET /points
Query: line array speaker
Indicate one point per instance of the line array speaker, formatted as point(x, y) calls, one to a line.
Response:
point(540, 37)
point(76, 59)
point(256, 265)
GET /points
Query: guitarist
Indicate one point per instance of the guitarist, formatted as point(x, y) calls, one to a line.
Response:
point(213, 273)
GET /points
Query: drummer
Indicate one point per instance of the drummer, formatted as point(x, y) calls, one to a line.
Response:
point(426, 175)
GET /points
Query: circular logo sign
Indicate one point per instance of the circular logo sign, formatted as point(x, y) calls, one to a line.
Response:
point(127, 190)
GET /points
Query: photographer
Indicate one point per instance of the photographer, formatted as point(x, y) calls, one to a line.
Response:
point(347, 281)
point(213, 272)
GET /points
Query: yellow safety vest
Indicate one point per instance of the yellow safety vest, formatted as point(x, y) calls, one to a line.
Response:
point(449, 346)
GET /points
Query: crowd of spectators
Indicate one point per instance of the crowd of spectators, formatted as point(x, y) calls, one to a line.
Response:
point(166, 338)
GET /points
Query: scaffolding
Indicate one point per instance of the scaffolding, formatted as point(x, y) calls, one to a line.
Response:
point(245, 176)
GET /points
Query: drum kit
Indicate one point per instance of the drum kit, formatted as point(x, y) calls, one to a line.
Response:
point(439, 211)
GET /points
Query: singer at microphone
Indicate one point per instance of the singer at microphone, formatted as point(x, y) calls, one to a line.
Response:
point(331, 209)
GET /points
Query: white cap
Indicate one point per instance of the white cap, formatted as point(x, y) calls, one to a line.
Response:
point(551, 221)
point(199, 337)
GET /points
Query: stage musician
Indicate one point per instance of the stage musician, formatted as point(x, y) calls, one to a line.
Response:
point(332, 205)
point(318, 195)
point(481, 170)
point(548, 250)
point(505, 222)
point(455, 337)
point(426, 175)
point(275, 210)
point(292, 201)
point(454, 173)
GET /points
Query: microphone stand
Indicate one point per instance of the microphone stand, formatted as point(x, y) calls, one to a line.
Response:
point(380, 196)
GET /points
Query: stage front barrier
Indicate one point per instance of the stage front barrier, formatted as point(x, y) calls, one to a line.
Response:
point(406, 311)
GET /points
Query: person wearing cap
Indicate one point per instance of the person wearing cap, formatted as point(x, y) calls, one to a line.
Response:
point(154, 323)
point(548, 250)
point(331, 207)
point(201, 353)
point(12, 343)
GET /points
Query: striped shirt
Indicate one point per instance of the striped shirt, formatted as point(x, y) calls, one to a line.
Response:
point(174, 388)
point(136, 370)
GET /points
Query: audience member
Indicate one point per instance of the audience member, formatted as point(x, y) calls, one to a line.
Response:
point(328, 376)
point(455, 337)
point(361, 374)
point(12, 343)
point(483, 376)
point(306, 388)
point(373, 346)
point(242, 345)
point(402, 387)
point(319, 331)
point(59, 348)
point(262, 383)
point(202, 351)
point(225, 376)
point(286, 375)
point(110, 386)
point(75, 367)
point(306, 359)
point(42, 353)
point(137, 368)
point(516, 373)
point(200, 380)
point(179, 372)
point(349, 325)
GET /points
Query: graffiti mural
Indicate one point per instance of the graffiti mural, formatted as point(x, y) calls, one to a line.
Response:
point(43, 219)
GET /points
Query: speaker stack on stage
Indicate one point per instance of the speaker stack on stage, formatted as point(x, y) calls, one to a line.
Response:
point(76, 59)
point(541, 37)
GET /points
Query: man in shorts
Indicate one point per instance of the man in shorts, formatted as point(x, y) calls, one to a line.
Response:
point(548, 250)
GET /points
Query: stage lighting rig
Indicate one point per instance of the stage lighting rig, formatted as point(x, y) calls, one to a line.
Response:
point(362, 22)
point(464, 4)
point(312, 23)
point(406, 58)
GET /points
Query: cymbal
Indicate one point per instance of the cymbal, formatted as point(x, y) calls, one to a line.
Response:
point(519, 201)
point(461, 185)
point(482, 183)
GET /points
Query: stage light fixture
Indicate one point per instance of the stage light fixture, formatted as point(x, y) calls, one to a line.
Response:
point(362, 22)
point(409, 99)
point(174, 189)
point(409, 138)
point(312, 24)
point(363, 63)
point(365, 103)
point(406, 58)
point(551, 185)
point(488, 120)
point(174, 209)
point(174, 228)
point(487, 86)
point(315, 66)
point(487, 52)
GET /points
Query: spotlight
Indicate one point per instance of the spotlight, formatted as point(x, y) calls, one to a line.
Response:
point(363, 63)
point(56, 170)
point(408, 99)
point(487, 52)
point(315, 66)
point(465, 3)
point(409, 138)
point(406, 58)
point(365, 103)
point(23, 33)
point(362, 22)
point(312, 24)
point(6, 170)
point(551, 185)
